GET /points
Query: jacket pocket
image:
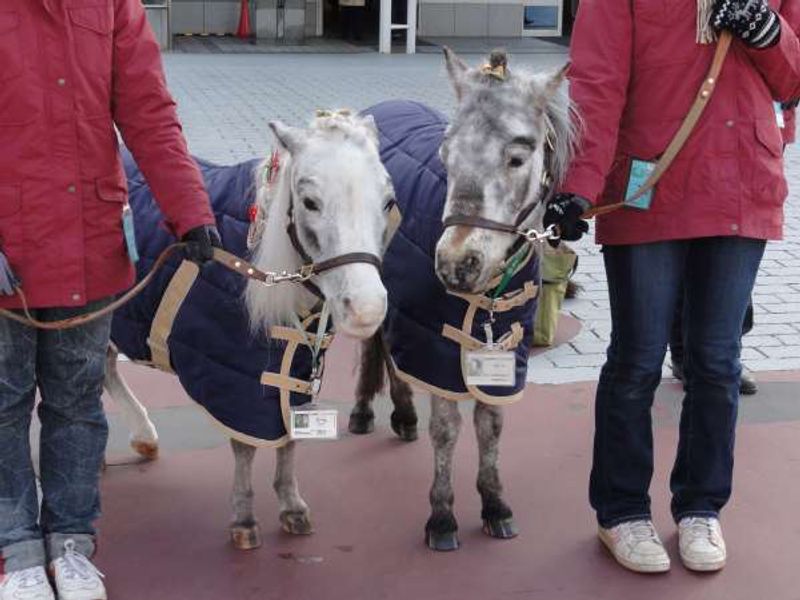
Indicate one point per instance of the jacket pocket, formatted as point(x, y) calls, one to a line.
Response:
point(111, 189)
point(10, 215)
point(92, 31)
point(102, 213)
point(769, 135)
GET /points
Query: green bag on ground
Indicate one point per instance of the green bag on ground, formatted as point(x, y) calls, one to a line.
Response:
point(558, 265)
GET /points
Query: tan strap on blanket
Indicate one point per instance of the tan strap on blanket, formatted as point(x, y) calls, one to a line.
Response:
point(505, 302)
point(508, 342)
point(685, 130)
point(171, 302)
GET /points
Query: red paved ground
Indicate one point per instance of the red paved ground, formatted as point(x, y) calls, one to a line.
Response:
point(165, 531)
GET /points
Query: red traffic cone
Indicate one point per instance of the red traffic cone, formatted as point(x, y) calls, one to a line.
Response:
point(244, 21)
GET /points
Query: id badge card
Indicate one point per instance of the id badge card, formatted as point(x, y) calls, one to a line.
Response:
point(130, 234)
point(491, 367)
point(313, 422)
point(779, 115)
point(640, 171)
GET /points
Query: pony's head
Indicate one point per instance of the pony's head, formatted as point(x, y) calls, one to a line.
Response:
point(333, 190)
point(511, 133)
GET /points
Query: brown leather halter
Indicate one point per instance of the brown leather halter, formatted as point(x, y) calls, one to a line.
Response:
point(524, 234)
point(310, 268)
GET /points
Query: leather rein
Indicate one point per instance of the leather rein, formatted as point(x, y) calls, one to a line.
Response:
point(223, 257)
point(525, 234)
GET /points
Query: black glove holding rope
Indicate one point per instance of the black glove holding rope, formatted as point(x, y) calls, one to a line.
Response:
point(565, 211)
point(752, 21)
point(200, 243)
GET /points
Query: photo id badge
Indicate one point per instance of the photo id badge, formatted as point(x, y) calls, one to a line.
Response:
point(491, 367)
point(130, 235)
point(313, 422)
point(640, 171)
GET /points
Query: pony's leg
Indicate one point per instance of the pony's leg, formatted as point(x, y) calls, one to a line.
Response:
point(404, 415)
point(295, 516)
point(441, 528)
point(498, 520)
point(144, 439)
point(245, 533)
point(370, 382)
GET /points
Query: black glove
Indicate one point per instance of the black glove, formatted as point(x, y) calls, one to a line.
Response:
point(564, 211)
point(753, 21)
point(200, 243)
point(8, 281)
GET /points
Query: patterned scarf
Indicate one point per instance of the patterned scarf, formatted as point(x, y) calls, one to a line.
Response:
point(705, 33)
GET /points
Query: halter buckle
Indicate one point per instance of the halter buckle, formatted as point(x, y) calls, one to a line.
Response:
point(306, 272)
point(533, 236)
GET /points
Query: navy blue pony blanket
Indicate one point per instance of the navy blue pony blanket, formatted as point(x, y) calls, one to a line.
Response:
point(428, 329)
point(207, 340)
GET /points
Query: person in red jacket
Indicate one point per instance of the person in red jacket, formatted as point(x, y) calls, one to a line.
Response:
point(71, 72)
point(636, 69)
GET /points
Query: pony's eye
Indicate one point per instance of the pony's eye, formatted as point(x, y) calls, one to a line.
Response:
point(515, 162)
point(310, 205)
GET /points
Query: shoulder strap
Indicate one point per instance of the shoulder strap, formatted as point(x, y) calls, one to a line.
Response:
point(689, 122)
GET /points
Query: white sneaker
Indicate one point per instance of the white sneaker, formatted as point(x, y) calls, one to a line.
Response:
point(27, 584)
point(76, 578)
point(701, 544)
point(636, 546)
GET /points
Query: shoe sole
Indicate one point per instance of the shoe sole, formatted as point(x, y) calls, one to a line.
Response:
point(632, 566)
point(704, 567)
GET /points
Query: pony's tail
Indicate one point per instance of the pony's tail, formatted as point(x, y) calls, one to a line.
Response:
point(573, 289)
point(372, 374)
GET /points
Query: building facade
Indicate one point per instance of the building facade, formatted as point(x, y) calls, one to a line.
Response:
point(295, 20)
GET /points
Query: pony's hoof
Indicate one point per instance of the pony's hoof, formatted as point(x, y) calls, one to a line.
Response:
point(296, 523)
point(361, 424)
point(405, 430)
point(147, 450)
point(245, 538)
point(503, 529)
point(445, 541)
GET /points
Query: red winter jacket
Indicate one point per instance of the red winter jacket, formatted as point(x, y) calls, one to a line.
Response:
point(636, 69)
point(69, 71)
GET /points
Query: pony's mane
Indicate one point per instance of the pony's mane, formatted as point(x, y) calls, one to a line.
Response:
point(273, 251)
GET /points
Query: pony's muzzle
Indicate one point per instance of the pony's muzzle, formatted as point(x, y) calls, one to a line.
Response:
point(362, 313)
point(460, 272)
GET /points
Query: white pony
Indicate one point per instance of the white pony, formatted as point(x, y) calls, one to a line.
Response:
point(328, 199)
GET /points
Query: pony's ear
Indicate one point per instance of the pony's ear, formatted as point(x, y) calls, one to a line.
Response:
point(456, 71)
point(291, 139)
point(552, 86)
point(368, 121)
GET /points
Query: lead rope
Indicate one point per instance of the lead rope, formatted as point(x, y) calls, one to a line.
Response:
point(531, 236)
point(315, 345)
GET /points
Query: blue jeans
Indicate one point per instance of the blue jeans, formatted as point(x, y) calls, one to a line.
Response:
point(68, 368)
point(646, 284)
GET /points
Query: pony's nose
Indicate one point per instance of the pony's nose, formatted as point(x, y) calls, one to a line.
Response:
point(461, 274)
point(364, 311)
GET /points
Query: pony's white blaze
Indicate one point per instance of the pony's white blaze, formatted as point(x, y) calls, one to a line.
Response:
point(340, 189)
